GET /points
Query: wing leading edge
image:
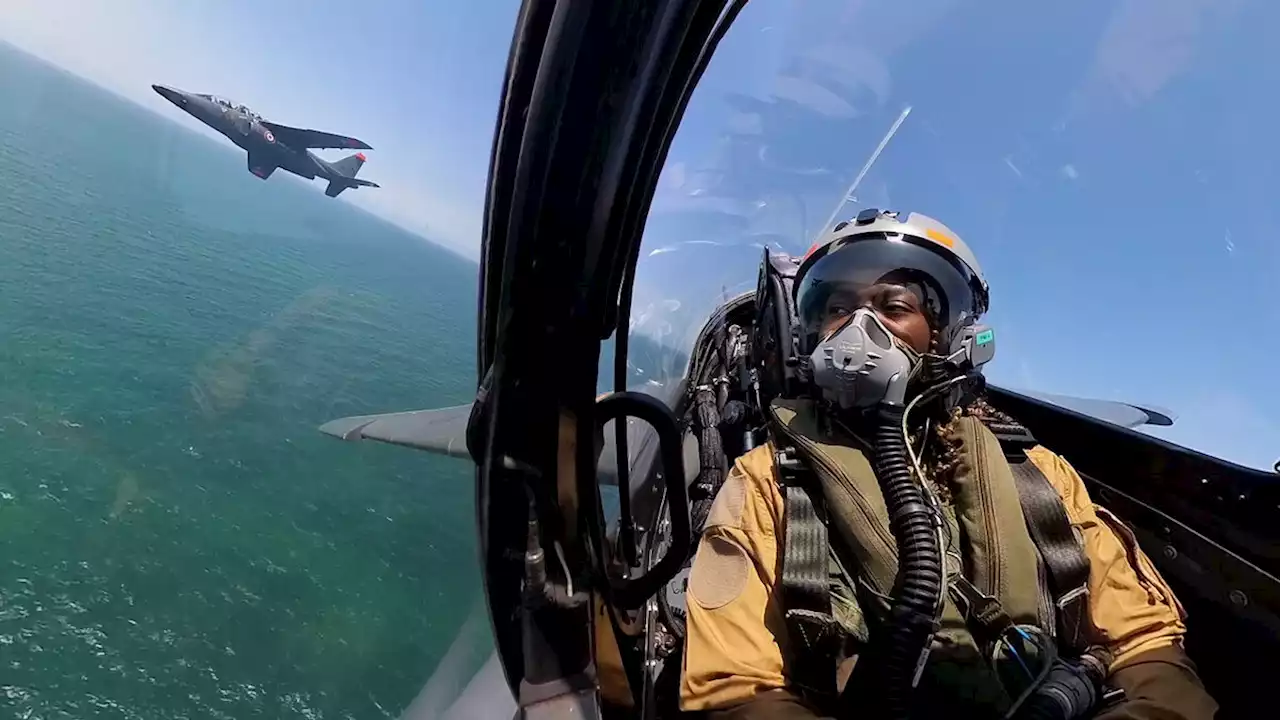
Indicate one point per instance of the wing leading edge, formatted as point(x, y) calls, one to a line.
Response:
point(443, 431)
point(303, 138)
point(1129, 415)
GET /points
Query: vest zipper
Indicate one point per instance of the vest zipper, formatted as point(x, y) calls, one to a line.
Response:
point(988, 512)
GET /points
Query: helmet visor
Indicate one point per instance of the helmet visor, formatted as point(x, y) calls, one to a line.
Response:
point(869, 270)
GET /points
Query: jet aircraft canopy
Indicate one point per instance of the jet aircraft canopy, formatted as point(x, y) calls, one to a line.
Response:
point(1095, 195)
point(228, 105)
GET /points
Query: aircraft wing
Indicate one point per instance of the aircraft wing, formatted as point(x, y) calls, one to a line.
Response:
point(442, 431)
point(300, 138)
point(1128, 415)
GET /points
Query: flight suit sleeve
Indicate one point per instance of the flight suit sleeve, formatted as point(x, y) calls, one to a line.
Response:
point(1133, 611)
point(733, 656)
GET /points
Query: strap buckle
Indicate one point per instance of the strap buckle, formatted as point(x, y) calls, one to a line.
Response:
point(984, 610)
point(817, 630)
point(1072, 607)
point(1073, 595)
point(819, 635)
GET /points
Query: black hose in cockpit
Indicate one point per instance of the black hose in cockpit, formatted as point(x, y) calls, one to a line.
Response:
point(896, 657)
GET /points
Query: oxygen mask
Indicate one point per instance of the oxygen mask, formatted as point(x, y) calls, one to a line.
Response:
point(860, 363)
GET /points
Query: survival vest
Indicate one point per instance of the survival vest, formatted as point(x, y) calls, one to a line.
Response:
point(1012, 561)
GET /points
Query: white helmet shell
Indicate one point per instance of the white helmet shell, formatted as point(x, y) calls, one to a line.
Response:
point(916, 225)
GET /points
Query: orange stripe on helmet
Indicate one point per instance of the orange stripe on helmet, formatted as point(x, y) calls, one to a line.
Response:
point(940, 237)
point(811, 250)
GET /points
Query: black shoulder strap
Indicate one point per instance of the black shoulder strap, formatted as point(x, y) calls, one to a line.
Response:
point(1051, 531)
point(805, 581)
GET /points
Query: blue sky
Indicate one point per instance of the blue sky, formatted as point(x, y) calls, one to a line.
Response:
point(1113, 164)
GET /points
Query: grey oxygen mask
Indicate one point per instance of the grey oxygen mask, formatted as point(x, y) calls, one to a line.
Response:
point(861, 364)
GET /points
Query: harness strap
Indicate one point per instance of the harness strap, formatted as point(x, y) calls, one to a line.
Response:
point(805, 581)
point(1053, 534)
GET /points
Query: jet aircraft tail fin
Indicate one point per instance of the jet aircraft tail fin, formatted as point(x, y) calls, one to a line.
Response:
point(350, 165)
point(345, 175)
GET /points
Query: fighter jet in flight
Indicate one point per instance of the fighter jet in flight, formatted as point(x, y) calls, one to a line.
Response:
point(272, 145)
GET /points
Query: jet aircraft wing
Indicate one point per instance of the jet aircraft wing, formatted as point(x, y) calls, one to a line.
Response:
point(443, 431)
point(302, 138)
point(1124, 414)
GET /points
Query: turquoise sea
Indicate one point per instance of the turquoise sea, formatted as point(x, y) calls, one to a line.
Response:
point(176, 538)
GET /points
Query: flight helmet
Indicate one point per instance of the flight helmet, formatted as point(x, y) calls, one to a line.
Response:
point(875, 248)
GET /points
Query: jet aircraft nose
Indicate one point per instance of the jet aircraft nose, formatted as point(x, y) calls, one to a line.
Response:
point(177, 97)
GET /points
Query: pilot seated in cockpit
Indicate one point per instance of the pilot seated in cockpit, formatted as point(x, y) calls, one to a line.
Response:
point(894, 548)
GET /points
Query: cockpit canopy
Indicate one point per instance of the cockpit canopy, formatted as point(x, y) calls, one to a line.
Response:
point(228, 105)
point(217, 100)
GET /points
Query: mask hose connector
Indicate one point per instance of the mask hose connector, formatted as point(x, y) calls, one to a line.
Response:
point(1071, 691)
point(918, 587)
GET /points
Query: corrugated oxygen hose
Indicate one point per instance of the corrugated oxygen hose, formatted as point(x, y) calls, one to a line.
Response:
point(918, 585)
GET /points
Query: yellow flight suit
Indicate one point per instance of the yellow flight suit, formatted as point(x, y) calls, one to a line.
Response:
point(737, 638)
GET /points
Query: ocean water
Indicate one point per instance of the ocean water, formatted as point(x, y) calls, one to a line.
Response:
point(176, 538)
